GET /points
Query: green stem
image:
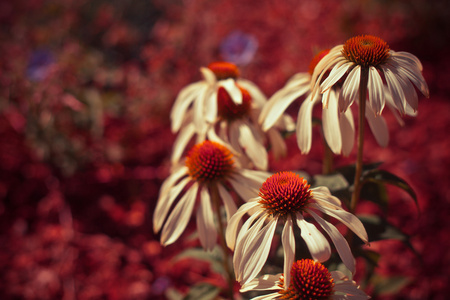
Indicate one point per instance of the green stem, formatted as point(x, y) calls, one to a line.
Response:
point(226, 254)
point(361, 122)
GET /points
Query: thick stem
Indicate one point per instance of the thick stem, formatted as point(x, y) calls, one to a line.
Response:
point(361, 122)
point(327, 164)
point(226, 254)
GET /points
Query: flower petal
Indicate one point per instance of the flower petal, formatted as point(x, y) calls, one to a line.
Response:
point(230, 206)
point(350, 89)
point(257, 95)
point(253, 148)
point(304, 125)
point(375, 91)
point(288, 241)
point(347, 131)
point(181, 142)
point(232, 89)
point(233, 223)
point(179, 218)
point(378, 127)
point(339, 242)
point(263, 283)
point(317, 244)
point(330, 123)
point(186, 96)
point(205, 222)
point(339, 70)
point(395, 89)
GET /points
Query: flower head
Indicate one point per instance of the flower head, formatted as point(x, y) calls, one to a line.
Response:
point(286, 198)
point(224, 109)
point(309, 280)
point(209, 168)
point(368, 60)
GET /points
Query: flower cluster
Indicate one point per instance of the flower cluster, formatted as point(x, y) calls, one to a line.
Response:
point(234, 124)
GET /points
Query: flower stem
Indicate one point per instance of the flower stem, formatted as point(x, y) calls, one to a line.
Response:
point(226, 254)
point(361, 122)
point(327, 164)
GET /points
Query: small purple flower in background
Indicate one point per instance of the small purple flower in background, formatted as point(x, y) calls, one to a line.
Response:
point(40, 64)
point(239, 47)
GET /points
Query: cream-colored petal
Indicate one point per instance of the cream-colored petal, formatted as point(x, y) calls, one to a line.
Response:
point(267, 297)
point(330, 123)
point(278, 146)
point(406, 58)
point(253, 148)
point(233, 90)
point(347, 125)
point(209, 76)
point(179, 218)
point(211, 106)
point(243, 190)
point(350, 89)
point(317, 244)
point(184, 99)
point(375, 91)
point(233, 223)
point(329, 60)
point(335, 75)
point(205, 221)
point(323, 195)
point(351, 291)
point(395, 89)
point(413, 74)
point(304, 126)
point(263, 283)
point(180, 143)
point(199, 111)
point(166, 202)
point(228, 201)
point(339, 242)
point(288, 242)
point(257, 95)
point(378, 127)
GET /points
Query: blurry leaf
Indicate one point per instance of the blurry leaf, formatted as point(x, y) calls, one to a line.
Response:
point(380, 229)
point(334, 182)
point(389, 178)
point(389, 285)
point(204, 291)
point(214, 257)
point(349, 171)
point(375, 192)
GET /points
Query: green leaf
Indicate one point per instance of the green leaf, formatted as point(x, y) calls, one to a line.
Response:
point(380, 229)
point(204, 291)
point(389, 285)
point(349, 171)
point(375, 192)
point(335, 182)
point(382, 176)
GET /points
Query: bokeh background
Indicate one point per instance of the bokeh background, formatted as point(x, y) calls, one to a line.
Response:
point(86, 90)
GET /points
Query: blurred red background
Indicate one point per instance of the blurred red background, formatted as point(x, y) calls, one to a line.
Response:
point(86, 90)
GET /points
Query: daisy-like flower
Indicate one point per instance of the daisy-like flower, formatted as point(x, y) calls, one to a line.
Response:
point(367, 61)
point(229, 116)
point(209, 167)
point(309, 280)
point(286, 198)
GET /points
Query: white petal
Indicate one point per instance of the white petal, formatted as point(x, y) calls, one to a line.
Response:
point(211, 106)
point(347, 131)
point(186, 96)
point(257, 95)
point(181, 142)
point(350, 89)
point(323, 196)
point(179, 218)
point(230, 206)
point(244, 187)
point(336, 73)
point(348, 219)
point(232, 89)
point(263, 283)
point(205, 221)
point(339, 242)
point(257, 252)
point(407, 58)
point(330, 123)
point(350, 290)
point(395, 89)
point(199, 111)
point(375, 91)
point(209, 76)
point(164, 204)
point(304, 126)
point(288, 241)
point(317, 244)
point(267, 297)
point(233, 223)
point(213, 137)
point(329, 60)
point(378, 127)
point(279, 148)
point(413, 74)
point(253, 148)
point(278, 104)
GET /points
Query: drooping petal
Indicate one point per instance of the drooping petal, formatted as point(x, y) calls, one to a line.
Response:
point(317, 244)
point(179, 218)
point(205, 222)
point(395, 89)
point(230, 206)
point(413, 74)
point(279, 148)
point(209, 76)
point(233, 223)
point(211, 106)
point(347, 131)
point(164, 204)
point(253, 148)
point(406, 58)
point(288, 241)
point(199, 112)
point(232, 89)
point(263, 283)
point(330, 123)
point(181, 142)
point(350, 89)
point(336, 73)
point(378, 127)
point(304, 126)
point(375, 91)
point(257, 95)
point(184, 99)
point(323, 195)
point(339, 242)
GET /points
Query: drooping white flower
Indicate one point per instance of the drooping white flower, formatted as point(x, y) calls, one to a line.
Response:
point(209, 167)
point(286, 198)
point(309, 280)
point(368, 59)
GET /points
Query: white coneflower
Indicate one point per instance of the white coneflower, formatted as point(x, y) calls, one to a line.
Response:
point(285, 198)
point(309, 280)
point(209, 168)
point(218, 115)
point(368, 59)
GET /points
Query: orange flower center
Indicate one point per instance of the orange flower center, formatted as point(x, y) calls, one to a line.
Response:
point(316, 60)
point(309, 280)
point(209, 161)
point(229, 110)
point(284, 193)
point(366, 50)
point(224, 70)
